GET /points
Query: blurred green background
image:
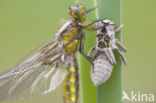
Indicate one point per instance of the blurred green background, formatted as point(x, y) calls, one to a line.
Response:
point(139, 37)
point(24, 24)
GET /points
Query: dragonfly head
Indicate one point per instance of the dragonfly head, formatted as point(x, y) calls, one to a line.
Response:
point(78, 12)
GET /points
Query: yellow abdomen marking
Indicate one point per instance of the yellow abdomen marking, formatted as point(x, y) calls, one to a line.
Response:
point(70, 86)
point(72, 79)
point(72, 69)
point(73, 98)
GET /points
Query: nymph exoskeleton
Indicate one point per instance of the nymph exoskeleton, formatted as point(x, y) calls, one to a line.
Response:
point(50, 64)
point(103, 57)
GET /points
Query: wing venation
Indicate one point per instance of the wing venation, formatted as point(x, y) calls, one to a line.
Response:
point(32, 76)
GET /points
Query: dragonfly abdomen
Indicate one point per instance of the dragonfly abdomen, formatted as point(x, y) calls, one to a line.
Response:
point(70, 85)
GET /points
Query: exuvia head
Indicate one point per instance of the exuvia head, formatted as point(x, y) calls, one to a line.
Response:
point(107, 22)
point(109, 25)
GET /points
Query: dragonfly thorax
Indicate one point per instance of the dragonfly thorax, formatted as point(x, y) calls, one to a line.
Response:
point(70, 36)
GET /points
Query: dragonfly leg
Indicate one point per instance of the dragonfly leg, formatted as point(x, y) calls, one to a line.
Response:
point(81, 49)
point(94, 28)
point(90, 23)
point(89, 52)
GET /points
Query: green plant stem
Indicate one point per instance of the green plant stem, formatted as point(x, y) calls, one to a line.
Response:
point(88, 90)
point(111, 90)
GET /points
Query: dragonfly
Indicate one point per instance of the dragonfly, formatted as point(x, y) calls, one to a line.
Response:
point(52, 64)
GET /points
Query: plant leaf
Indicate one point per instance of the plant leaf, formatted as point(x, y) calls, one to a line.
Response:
point(88, 90)
point(111, 90)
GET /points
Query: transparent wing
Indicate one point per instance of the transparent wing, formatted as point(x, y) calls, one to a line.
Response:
point(37, 74)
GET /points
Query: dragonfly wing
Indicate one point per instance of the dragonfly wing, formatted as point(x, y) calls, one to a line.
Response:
point(34, 75)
